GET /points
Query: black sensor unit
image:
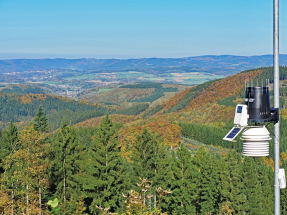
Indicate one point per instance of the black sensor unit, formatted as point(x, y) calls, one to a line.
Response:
point(258, 105)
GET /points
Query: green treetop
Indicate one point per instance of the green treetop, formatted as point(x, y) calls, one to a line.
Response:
point(41, 121)
point(68, 168)
point(110, 175)
point(185, 176)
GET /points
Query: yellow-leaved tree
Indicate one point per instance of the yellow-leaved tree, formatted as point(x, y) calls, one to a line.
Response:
point(24, 177)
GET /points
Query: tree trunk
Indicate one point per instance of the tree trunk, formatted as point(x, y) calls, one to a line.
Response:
point(64, 184)
point(12, 199)
point(27, 201)
point(181, 182)
point(106, 159)
point(155, 201)
point(27, 187)
point(40, 199)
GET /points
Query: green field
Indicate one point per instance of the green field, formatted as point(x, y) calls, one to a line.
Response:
point(81, 77)
point(174, 76)
point(51, 82)
point(103, 90)
point(181, 78)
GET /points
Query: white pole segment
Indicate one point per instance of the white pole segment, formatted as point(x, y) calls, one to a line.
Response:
point(276, 105)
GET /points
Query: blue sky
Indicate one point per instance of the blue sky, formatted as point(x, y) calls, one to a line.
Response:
point(138, 28)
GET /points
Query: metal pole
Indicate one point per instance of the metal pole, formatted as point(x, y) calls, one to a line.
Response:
point(276, 105)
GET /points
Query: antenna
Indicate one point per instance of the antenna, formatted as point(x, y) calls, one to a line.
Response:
point(276, 105)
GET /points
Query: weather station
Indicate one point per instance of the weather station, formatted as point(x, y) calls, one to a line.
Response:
point(251, 118)
point(257, 110)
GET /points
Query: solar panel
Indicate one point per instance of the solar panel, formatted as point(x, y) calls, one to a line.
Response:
point(233, 133)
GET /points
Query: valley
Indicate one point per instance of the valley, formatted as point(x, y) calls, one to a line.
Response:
point(150, 129)
point(69, 77)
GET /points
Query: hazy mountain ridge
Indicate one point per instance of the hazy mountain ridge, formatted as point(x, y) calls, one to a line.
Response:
point(237, 63)
point(70, 77)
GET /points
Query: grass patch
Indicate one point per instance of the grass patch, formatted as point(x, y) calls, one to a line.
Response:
point(103, 90)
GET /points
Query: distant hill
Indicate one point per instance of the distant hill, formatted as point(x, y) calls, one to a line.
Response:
point(219, 63)
point(22, 89)
point(70, 77)
point(22, 108)
point(132, 94)
point(203, 113)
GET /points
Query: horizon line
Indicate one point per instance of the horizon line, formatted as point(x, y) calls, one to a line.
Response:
point(115, 58)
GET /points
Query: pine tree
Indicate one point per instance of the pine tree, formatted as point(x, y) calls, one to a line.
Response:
point(9, 143)
point(143, 156)
point(231, 182)
point(253, 189)
point(185, 175)
point(150, 160)
point(266, 186)
point(41, 121)
point(10, 137)
point(163, 176)
point(209, 182)
point(68, 168)
point(110, 174)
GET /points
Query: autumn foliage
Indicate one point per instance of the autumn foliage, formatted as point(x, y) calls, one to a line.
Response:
point(221, 89)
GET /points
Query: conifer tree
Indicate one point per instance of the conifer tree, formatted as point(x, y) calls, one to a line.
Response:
point(144, 156)
point(10, 136)
point(209, 180)
point(231, 182)
point(263, 173)
point(151, 161)
point(110, 175)
point(163, 176)
point(185, 175)
point(41, 121)
point(9, 143)
point(68, 167)
point(253, 189)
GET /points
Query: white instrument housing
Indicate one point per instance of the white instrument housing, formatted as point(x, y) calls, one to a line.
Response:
point(282, 179)
point(240, 121)
point(241, 116)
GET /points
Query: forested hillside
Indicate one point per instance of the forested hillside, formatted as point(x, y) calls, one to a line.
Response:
point(22, 89)
point(132, 94)
point(20, 108)
point(37, 168)
point(167, 158)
